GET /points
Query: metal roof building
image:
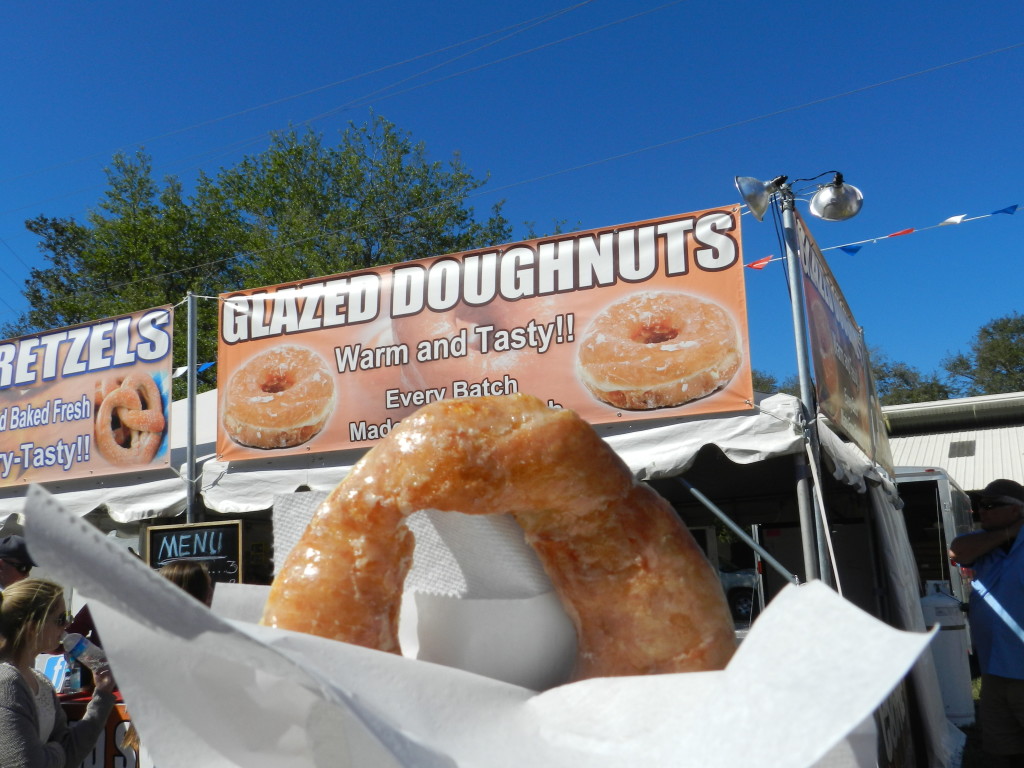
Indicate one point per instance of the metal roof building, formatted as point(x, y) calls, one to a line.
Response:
point(975, 439)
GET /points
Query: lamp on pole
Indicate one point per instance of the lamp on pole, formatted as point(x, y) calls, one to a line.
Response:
point(835, 201)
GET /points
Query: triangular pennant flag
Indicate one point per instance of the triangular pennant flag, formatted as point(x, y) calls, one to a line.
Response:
point(901, 232)
point(760, 263)
point(1011, 210)
point(851, 249)
point(954, 220)
point(183, 369)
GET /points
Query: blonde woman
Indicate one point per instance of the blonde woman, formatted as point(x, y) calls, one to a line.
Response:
point(34, 732)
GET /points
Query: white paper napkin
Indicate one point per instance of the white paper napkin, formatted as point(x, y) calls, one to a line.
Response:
point(208, 691)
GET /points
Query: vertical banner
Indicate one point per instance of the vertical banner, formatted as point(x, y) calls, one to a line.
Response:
point(638, 321)
point(86, 401)
point(842, 369)
point(879, 434)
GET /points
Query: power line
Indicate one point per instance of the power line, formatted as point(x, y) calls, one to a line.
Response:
point(757, 118)
point(504, 34)
point(622, 155)
point(528, 24)
point(502, 60)
point(4, 272)
point(382, 93)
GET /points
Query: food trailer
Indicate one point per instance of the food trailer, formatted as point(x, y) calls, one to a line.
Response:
point(936, 510)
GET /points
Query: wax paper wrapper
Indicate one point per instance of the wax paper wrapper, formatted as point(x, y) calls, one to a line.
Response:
point(212, 691)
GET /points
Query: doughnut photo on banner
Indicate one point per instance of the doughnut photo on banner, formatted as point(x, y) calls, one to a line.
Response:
point(280, 398)
point(658, 349)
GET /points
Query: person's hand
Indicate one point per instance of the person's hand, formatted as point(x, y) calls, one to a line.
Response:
point(104, 681)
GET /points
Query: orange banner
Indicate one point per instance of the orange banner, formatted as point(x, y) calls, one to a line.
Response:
point(88, 400)
point(638, 321)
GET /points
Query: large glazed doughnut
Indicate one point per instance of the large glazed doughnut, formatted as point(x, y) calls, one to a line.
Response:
point(638, 588)
point(658, 349)
point(280, 398)
point(129, 419)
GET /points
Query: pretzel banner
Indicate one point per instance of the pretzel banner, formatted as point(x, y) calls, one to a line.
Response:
point(87, 400)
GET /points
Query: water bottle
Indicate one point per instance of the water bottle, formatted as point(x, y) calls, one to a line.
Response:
point(83, 650)
point(72, 678)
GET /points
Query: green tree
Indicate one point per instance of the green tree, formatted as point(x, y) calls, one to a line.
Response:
point(141, 247)
point(51, 302)
point(995, 363)
point(297, 210)
point(790, 385)
point(374, 199)
point(897, 382)
point(558, 227)
point(770, 383)
point(765, 382)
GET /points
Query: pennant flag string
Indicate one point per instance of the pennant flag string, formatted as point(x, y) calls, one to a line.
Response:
point(854, 247)
point(960, 219)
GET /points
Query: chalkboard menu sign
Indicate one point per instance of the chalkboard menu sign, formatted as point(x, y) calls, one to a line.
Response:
point(219, 545)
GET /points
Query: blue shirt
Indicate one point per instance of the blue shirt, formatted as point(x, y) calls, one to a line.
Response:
point(997, 611)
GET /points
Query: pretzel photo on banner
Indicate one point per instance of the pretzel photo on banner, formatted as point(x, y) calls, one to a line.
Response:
point(130, 419)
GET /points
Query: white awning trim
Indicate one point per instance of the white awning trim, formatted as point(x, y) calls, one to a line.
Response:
point(651, 450)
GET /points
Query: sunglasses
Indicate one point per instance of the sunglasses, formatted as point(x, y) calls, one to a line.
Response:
point(22, 568)
point(987, 505)
point(63, 620)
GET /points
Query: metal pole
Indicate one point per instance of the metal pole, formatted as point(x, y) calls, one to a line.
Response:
point(191, 481)
point(804, 497)
point(761, 551)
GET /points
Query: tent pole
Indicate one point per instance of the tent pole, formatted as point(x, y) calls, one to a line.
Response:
point(805, 499)
point(191, 482)
point(743, 535)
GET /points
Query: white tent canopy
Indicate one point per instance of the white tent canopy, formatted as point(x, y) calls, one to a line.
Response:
point(652, 449)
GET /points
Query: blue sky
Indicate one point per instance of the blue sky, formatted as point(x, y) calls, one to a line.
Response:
point(594, 113)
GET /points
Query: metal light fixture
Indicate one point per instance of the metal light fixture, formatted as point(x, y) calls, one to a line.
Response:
point(758, 194)
point(836, 201)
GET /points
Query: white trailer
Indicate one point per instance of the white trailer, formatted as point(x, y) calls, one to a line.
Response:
point(936, 510)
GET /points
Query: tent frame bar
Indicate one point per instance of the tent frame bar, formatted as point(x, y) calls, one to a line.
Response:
point(743, 535)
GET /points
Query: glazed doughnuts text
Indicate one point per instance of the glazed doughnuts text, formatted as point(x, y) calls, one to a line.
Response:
point(638, 588)
point(280, 398)
point(658, 349)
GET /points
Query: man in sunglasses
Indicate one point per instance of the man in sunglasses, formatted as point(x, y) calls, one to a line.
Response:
point(996, 555)
point(15, 563)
